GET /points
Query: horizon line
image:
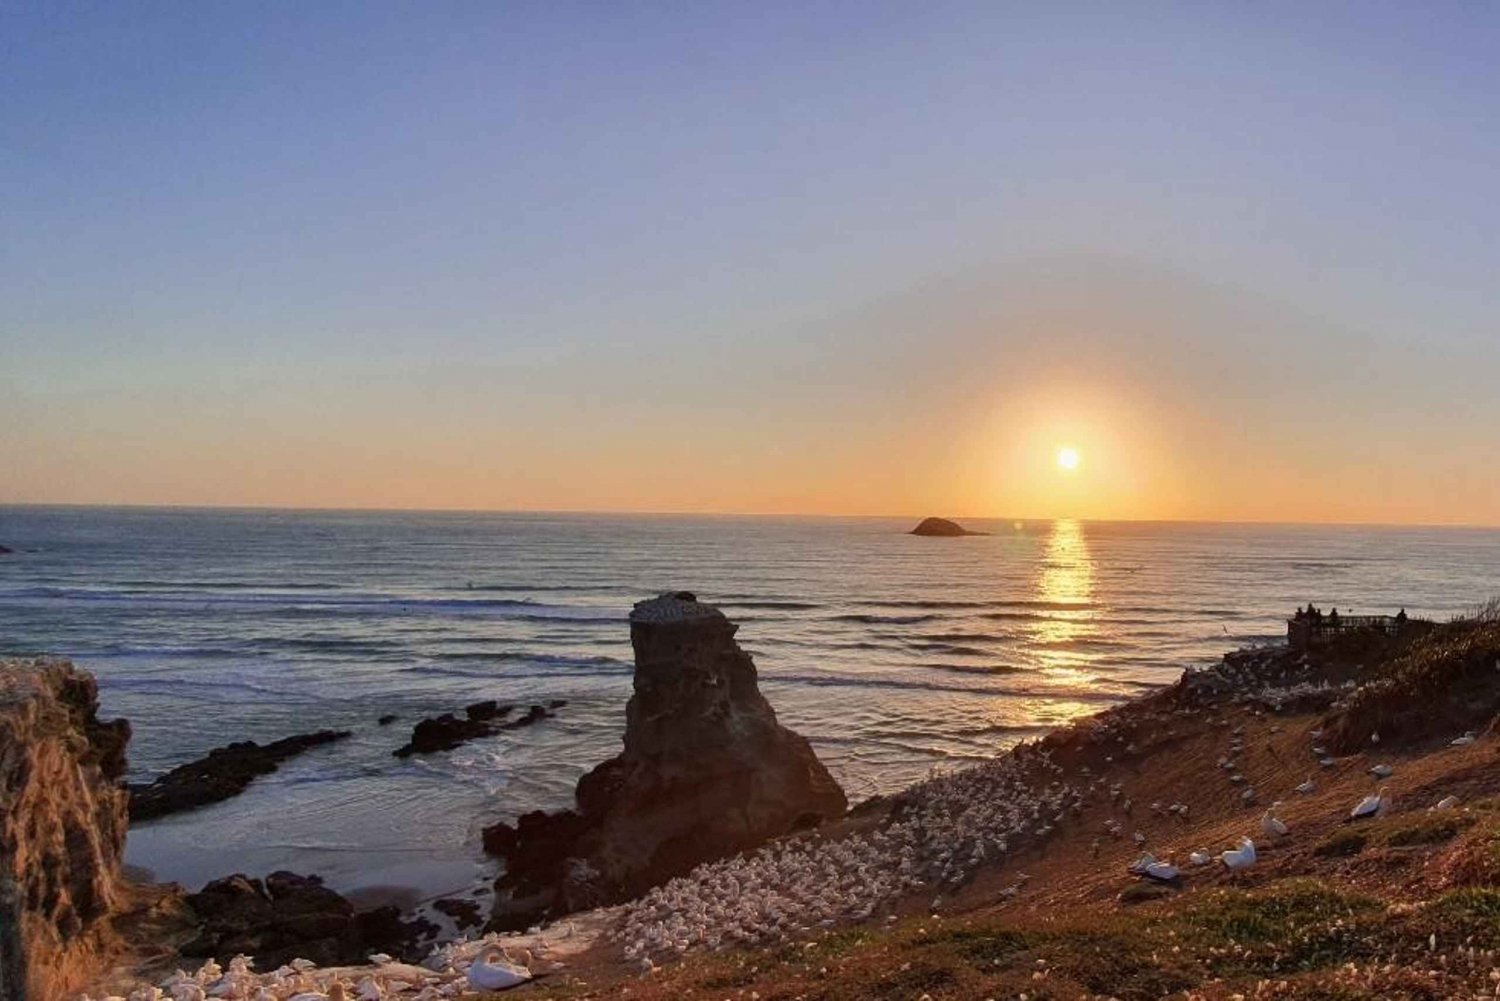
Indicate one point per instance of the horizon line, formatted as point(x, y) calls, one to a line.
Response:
point(333, 509)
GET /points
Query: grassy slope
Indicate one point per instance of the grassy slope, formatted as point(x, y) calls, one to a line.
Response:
point(1405, 906)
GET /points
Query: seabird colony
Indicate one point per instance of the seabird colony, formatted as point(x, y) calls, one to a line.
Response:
point(938, 833)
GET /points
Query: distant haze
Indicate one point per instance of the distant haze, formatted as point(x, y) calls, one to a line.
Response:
point(838, 258)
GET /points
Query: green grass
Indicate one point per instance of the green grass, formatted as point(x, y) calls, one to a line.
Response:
point(986, 947)
point(1293, 925)
point(1469, 916)
point(1138, 893)
point(1342, 845)
point(846, 940)
point(1320, 941)
point(913, 980)
point(1426, 831)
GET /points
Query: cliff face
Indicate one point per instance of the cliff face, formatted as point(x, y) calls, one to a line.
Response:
point(706, 771)
point(62, 830)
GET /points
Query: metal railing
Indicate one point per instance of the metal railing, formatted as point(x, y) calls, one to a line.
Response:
point(1307, 630)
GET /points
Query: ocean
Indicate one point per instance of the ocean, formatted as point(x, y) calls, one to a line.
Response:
point(893, 654)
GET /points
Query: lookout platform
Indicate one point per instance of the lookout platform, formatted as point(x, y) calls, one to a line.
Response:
point(1312, 627)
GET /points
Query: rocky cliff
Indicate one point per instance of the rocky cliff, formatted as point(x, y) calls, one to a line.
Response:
point(62, 830)
point(706, 771)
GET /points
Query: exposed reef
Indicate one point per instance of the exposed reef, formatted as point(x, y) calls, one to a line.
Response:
point(222, 773)
point(706, 771)
point(482, 719)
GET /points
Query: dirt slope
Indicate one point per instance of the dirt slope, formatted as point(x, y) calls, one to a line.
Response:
point(1403, 906)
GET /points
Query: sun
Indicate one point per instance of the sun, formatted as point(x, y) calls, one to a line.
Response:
point(1067, 459)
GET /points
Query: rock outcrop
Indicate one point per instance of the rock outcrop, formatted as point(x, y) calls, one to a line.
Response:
point(482, 719)
point(706, 771)
point(62, 830)
point(222, 773)
point(288, 916)
point(942, 528)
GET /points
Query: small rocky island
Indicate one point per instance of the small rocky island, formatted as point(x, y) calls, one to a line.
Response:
point(706, 771)
point(941, 528)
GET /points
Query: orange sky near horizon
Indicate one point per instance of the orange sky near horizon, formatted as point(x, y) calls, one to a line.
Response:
point(947, 400)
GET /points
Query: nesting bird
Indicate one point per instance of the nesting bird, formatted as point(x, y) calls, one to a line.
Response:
point(1371, 806)
point(493, 971)
point(1242, 857)
point(1151, 867)
point(1272, 825)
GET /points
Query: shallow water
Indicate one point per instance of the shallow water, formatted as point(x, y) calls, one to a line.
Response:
point(892, 653)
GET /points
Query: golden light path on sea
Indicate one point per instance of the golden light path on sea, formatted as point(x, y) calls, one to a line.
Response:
point(1065, 578)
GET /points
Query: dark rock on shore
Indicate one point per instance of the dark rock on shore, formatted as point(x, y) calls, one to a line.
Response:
point(445, 732)
point(223, 773)
point(465, 913)
point(442, 733)
point(706, 771)
point(942, 528)
point(289, 916)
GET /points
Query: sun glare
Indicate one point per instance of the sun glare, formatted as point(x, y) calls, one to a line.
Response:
point(1067, 459)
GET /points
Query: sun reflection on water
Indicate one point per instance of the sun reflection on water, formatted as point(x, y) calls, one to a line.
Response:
point(1064, 593)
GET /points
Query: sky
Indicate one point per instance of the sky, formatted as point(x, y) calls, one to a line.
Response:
point(836, 258)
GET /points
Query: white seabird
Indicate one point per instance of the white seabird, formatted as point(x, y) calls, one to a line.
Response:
point(1149, 865)
point(1306, 787)
point(1382, 771)
point(1370, 806)
point(491, 971)
point(1272, 825)
point(1163, 872)
point(1242, 857)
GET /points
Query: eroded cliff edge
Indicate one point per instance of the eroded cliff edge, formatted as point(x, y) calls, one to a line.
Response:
point(62, 830)
point(706, 771)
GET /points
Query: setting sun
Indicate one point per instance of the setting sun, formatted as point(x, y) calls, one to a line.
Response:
point(1067, 459)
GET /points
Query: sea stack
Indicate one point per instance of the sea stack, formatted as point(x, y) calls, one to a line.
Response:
point(706, 771)
point(62, 830)
point(941, 527)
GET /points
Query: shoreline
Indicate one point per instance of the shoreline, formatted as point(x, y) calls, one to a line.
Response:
point(1083, 802)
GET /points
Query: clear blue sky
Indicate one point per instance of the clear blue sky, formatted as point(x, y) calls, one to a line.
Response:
point(810, 257)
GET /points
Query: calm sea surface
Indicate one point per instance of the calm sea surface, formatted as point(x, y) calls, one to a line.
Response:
point(893, 654)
